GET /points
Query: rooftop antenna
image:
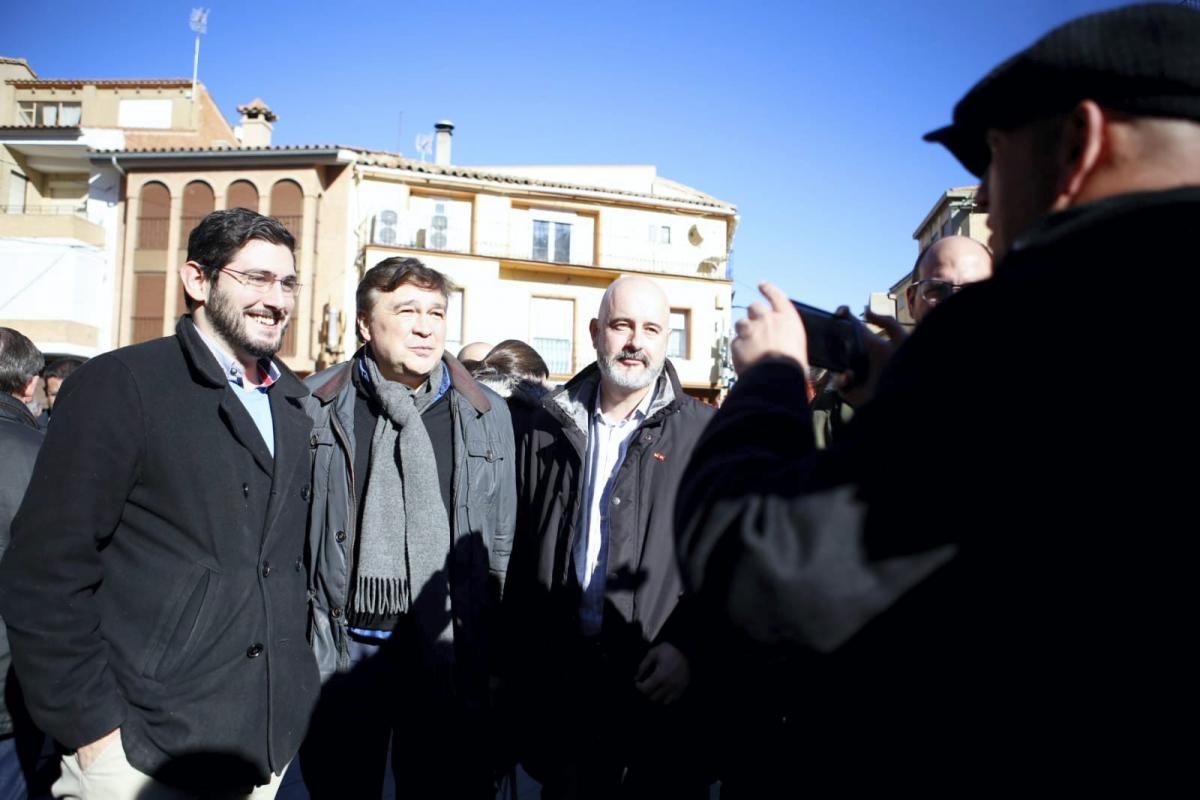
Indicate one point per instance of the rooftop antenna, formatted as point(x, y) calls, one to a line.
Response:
point(199, 24)
point(424, 144)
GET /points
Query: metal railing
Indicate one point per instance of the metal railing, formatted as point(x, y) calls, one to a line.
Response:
point(45, 209)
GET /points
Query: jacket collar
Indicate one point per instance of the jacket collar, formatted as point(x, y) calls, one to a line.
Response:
point(1097, 216)
point(206, 369)
point(460, 380)
point(13, 409)
point(576, 399)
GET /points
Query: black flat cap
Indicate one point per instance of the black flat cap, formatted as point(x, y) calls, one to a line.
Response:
point(1141, 59)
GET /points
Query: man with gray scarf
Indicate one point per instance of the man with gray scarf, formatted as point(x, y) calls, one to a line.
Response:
point(412, 522)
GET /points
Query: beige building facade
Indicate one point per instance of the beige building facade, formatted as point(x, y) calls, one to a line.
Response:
point(61, 210)
point(102, 214)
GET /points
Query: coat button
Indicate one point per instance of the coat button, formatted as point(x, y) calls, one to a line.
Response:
point(616, 501)
point(336, 613)
point(305, 492)
point(245, 490)
point(266, 570)
point(312, 440)
point(299, 564)
point(340, 536)
point(254, 650)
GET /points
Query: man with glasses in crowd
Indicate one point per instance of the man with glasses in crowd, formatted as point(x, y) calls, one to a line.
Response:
point(155, 587)
point(943, 268)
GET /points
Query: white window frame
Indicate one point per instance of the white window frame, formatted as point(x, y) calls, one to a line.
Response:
point(541, 342)
point(686, 334)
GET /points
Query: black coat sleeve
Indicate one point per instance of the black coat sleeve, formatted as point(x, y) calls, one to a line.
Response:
point(52, 571)
point(770, 532)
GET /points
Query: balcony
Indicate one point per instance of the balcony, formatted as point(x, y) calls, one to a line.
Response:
point(50, 221)
point(500, 239)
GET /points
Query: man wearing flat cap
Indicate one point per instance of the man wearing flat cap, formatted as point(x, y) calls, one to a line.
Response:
point(1027, 626)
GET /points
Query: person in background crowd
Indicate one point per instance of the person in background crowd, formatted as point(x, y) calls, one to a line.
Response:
point(20, 440)
point(53, 376)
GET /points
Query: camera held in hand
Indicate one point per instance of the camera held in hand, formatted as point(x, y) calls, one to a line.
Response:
point(834, 343)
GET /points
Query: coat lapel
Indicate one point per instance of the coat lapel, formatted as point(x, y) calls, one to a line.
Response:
point(238, 420)
point(292, 429)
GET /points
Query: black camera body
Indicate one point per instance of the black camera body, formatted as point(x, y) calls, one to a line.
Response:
point(835, 343)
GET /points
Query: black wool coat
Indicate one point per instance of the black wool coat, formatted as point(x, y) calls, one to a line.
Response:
point(156, 579)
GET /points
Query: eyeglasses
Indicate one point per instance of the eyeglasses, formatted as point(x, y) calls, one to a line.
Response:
point(933, 290)
point(263, 281)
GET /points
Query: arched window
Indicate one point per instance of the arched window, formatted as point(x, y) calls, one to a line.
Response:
point(242, 194)
point(287, 206)
point(198, 202)
point(154, 217)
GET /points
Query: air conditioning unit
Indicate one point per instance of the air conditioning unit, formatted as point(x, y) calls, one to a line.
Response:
point(438, 224)
point(385, 227)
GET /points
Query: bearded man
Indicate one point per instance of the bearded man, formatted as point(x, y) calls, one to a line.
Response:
point(601, 637)
point(155, 588)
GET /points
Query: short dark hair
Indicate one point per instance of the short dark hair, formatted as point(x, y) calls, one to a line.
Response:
point(20, 360)
point(391, 273)
point(217, 239)
point(61, 368)
point(514, 359)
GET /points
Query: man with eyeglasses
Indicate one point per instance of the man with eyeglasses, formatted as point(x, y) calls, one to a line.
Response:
point(943, 268)
point(988, 581)
point(155, 588)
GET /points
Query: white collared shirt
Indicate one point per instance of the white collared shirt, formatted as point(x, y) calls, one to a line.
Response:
point(254, 398)
point(607, 443)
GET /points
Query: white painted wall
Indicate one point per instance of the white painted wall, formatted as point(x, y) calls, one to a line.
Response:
point(55, 279)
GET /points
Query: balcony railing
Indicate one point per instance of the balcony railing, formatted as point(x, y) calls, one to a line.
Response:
point(45, 209)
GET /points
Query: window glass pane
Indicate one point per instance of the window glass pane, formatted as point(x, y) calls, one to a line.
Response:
point(562, 241)
point(541, 241)
point(50, 114)
point(665, 238)
point(71, 113)
point(27, 113)
point(551, 322)
point(677, 344)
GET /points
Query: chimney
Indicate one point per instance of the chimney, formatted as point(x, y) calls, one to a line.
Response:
point(444, 131)
point(256, 124)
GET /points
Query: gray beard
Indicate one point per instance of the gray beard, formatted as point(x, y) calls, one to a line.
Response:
point(614, 374)
point(231, 325)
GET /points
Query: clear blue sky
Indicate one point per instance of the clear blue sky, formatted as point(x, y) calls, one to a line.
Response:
point(807, 116)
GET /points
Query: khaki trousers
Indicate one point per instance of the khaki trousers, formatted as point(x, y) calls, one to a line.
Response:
point(112, 777)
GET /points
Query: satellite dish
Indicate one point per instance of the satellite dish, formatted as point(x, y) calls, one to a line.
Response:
point(424, 144)
point(694, 236)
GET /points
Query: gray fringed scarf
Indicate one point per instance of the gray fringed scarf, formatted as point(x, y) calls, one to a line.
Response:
point(405, 534)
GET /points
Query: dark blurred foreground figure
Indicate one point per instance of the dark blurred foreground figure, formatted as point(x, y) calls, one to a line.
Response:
point(154, 589)
point(1005, 605)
